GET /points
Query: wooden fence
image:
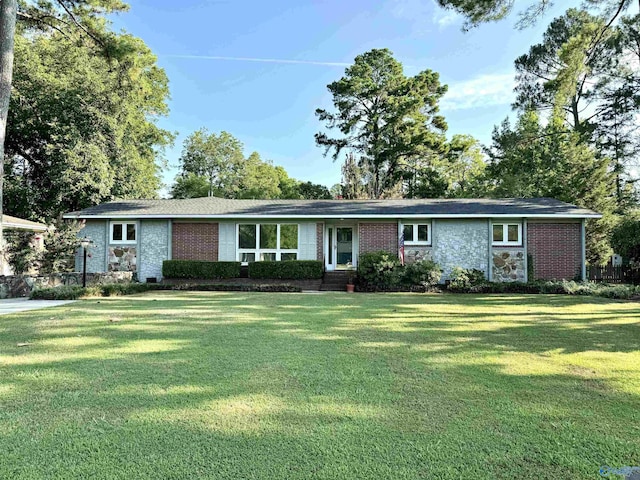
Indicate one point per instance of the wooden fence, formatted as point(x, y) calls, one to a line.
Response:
point(611, 274)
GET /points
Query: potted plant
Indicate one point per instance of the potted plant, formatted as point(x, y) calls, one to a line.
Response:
point(350, 285)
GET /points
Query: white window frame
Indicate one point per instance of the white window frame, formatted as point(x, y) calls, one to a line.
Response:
point(259, 251)
point(415, 232)
point(124, 240)
point(505, 234)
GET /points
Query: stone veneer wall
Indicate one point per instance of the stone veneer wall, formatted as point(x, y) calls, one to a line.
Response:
point(378, 236)
point(195, 241)
point(508, 265)
point(460, 243)
point(319, 241)
point(555, 250)
point(13, 286)
point(154, 248)
point(122, 258)
point(416, 253)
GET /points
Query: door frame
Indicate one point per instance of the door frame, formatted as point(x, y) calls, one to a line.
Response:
point(333, 227)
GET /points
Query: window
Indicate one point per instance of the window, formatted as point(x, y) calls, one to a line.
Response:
point(417, 233)
point(507, 234)
point(267, 242)
point(123, 232)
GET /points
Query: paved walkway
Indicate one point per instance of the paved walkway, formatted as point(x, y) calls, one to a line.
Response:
point(14, 305)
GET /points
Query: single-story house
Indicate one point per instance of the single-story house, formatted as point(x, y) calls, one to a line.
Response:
point(503, 237)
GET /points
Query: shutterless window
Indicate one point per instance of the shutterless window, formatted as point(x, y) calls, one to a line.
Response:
point(416, 233)
point(267, 242)
point(507, 233)
point(123, 232)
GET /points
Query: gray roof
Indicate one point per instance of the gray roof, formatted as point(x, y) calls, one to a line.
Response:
point(15, 223)
point(213, 207)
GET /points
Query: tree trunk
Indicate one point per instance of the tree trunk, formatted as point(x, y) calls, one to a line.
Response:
point(8, 9)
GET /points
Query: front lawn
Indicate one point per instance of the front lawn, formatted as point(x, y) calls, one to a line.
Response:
point(302, 386)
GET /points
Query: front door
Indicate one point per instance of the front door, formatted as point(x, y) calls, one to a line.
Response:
point(340, 247)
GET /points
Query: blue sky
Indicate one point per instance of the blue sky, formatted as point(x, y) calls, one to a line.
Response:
point(260, 69)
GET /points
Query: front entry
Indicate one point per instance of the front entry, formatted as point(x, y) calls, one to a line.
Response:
point(340, 242)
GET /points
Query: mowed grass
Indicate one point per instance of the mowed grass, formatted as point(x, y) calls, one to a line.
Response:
point(304, 386)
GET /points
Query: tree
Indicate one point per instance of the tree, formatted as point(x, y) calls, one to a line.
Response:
point(190, 185)
point(385, 117)
point(314, 191)
point(482, 11)
point(218, 158)
point(82, 128)
point(532, 160)
point(259, 179)
point(590, 85)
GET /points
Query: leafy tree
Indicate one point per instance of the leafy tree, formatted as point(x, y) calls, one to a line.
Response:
point(625, 238)
point(190, 185)
point(60, 244)
point(217, 158)
point(21, 251)
point(259, 179)
point(532, 160)
point(385, 117)
point(482, 11)
point(314, 191)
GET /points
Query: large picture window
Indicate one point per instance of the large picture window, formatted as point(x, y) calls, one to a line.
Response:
point(123, 232)
point(417, 233)
point(267, 242)
point(507, 234)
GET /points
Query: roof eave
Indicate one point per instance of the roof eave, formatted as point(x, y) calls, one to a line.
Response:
point(336, 216)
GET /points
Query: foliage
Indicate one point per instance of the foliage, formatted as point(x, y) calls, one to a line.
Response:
point(199, 269)
point(214, 165)
point(21, 251)
point(82, 127)
point(231, 287)
point(532, 160)
point(465, 278)
point(378, 269)
point(289, 269)
point(625, 238)
point(551, 287)
point(60, 245)
point(382, 271)
point(385, 118)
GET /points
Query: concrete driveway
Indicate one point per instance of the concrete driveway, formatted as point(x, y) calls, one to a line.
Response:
point(15, 305)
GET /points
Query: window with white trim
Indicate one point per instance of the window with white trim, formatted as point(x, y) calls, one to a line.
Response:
point(417, 233)
point(267, 242)
point(507, 234)
point(123, 232)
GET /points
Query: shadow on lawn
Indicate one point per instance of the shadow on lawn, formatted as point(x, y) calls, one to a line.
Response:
point(299, 386)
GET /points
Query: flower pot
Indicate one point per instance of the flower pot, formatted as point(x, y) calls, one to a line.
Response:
point(350, 288)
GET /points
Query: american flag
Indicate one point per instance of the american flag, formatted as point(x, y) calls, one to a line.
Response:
point(401, 249)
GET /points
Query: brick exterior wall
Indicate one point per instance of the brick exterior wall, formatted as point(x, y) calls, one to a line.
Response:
point(555, 250)
point(194, 241)
point(378, 236)
point(319, 241)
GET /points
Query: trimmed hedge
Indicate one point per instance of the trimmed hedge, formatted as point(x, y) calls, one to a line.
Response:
point(287, 270)
point(200, 269)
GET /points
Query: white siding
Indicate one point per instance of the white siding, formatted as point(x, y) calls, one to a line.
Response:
point(227, 242)
point(308, 241)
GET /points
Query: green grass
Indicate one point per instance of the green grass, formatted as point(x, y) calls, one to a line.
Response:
point(303, 386)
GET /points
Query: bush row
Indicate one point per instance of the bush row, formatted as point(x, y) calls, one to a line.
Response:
point(74, 292)
point(287, 270)
point(381, 271)
point(553, 287)
point(200, 269)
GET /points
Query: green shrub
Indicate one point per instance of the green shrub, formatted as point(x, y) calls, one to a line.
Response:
point(228, 287)
point(426, 273)
point(74, 292)
point(378, 270)
point(200, 269)
point(287, 270)
point(65, 292)
point(465, 278)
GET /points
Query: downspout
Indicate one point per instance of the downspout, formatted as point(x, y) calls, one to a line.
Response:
point(583, 246)
point(526, 249)
point(490, 250)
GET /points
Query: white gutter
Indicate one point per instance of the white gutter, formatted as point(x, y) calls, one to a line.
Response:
point(350, 216)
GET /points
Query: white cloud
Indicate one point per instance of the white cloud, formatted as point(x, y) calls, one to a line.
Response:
point(478, 92)
point(445, 18)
